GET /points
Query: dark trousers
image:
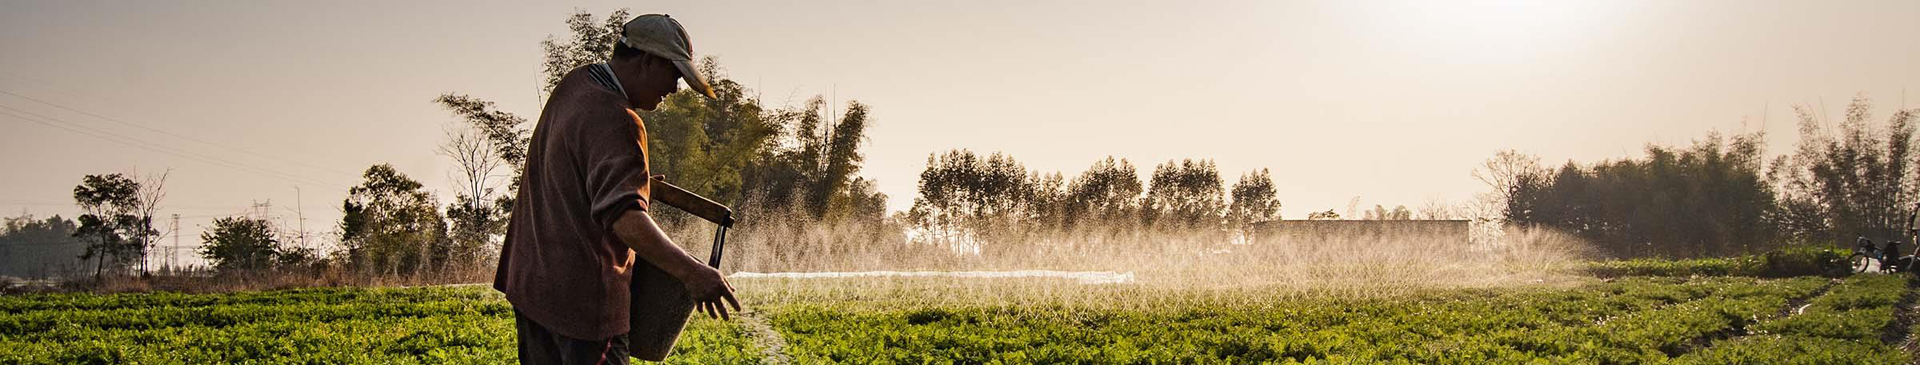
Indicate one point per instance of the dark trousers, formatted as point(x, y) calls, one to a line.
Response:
point(538, 346)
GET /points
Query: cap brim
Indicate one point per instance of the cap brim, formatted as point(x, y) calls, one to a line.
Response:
point(693, 78)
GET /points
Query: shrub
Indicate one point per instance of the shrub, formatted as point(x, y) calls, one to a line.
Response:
point(1789, 261)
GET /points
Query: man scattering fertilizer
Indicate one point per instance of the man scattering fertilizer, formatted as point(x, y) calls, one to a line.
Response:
point(581, 216)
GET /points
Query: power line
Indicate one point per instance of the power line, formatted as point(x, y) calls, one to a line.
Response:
point(135, 142)
point(165, 132)
point(164, 206)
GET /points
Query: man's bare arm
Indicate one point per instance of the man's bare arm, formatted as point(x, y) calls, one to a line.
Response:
point(704, 284)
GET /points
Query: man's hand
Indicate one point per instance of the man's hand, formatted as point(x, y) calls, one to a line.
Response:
point(704, 284)
point(707, 287)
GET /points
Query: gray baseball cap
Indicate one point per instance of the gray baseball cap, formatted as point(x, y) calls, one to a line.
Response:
point(660, 35)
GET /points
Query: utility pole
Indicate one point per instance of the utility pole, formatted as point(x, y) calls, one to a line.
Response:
point(300, 211)
point(176, 243)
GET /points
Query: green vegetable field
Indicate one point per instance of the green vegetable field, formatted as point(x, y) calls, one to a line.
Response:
point(1632, 320)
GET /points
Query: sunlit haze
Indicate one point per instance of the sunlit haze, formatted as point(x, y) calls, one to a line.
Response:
point(1390, 102)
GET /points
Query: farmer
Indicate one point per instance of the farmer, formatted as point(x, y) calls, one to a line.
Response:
point(579, 226)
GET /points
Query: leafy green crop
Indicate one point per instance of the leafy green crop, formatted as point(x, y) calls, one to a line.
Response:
point(325, 326)
point(1625, 322)
point(1634, 320)
point(1842, 327)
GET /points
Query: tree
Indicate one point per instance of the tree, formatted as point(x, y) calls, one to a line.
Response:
point(240, 243)
point(1504, 170)
point(1436, 209)
point(1502, 173)
point(504, 135)
point(110, 223)
point(813, 161)
point(148, 195)
point(1253, 200)
point(963, 195)
point(1326, 215)
point(391, 226)
point(1046, 202)
point(1380, 213)
point(710, 146)
point(31, 247)
point(1108, 193)
point(729, 148)
point(590, 43)
point(476, 220)
point(1707, 199)
point(1185, 195)
point(1857, 181)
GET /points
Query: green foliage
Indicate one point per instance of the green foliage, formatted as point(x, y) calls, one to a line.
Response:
point(1844, 326)
point(330, 326)
point(504, 132)
point(812, 163)
point(1709, 199)
point(1712, 199)
point(1642, 320)
point(117, 222)
point(591, 42)
point(391, 226)
point(240, 243)
point(1784, 262)
point(474, 223)
point(1851, 182)
point(730, 148)
point(1647, 320)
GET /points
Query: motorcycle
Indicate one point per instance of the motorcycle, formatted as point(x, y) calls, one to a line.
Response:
point(1866, 254)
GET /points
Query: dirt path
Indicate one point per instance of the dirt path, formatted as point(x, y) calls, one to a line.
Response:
point(772, 346)
point(1797, 305)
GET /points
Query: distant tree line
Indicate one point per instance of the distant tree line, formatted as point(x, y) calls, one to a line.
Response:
point(1721, 196)
point(994, 205)
point(37, 248)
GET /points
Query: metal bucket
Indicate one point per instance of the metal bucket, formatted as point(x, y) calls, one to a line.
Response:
point(660, 307)
point(659, 303)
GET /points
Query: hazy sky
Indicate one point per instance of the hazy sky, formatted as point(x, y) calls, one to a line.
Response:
point(1394, 102)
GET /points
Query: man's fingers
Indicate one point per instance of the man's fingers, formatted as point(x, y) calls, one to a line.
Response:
point(708, 309)
point(723, 311)
point(731, 300)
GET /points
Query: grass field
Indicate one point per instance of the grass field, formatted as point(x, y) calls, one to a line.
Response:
point(1632, 320)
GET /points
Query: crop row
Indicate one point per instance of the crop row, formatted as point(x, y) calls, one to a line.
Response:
point(1629, 321)
point(1845, 326)
point(1701, 320)
point(81, 301)
point(333, 326)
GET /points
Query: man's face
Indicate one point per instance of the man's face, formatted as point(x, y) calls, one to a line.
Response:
point(654, 78)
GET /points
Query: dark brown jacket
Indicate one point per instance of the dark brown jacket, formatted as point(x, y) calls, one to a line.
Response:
point(561, 264)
